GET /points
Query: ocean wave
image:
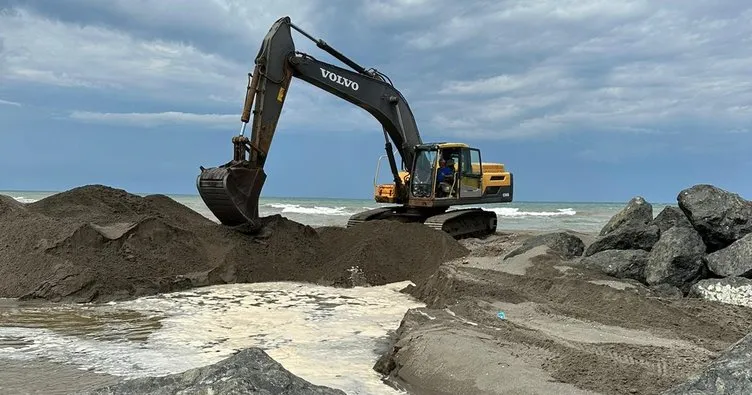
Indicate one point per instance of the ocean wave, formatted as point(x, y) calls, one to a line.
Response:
point(516, 212)
point(315, 210)
point(24, 199)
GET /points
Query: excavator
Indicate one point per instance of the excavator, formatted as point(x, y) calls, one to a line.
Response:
point(432, 176)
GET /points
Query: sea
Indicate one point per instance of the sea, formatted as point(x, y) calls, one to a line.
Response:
point(538, 216)
point(328, 336)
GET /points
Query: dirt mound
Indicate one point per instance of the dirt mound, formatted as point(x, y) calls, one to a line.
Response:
point(96, 243)
point(91, 203)
point(8, 204)
point(388, 251)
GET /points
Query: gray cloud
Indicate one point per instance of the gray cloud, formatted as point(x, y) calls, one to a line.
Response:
point(490, 69)
point(554, 67)
point(10, 103)
point(216, 27)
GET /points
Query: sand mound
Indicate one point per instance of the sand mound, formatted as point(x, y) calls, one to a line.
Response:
point(96, 243)
point(8, 204)
point(388, 251)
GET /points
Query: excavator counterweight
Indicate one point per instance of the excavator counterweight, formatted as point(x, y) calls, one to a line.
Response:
point(434, 176)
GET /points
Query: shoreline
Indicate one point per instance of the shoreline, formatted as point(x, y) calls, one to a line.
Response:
point(541, 310)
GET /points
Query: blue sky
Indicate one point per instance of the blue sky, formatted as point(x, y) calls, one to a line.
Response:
point(585, 100)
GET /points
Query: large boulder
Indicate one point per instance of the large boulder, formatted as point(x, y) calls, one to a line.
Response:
point(669, 217)
point(618, 263)
point(729, 290)
point(720, 216)
point(677, 259)
point(734, 260)
point(730, 373)
point(565, 245)
point(250, 371)
point(626, 237)
point(637, 212)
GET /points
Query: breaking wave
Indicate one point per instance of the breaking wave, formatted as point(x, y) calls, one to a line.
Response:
point(24, 199)
point(316, 210)
point(516, 212)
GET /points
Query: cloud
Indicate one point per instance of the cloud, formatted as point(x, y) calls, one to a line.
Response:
point(52, 47)
point(151, 120)
point(495, 70)
point(10, 103)
point(513, 69)
point(293, 118)
point(220, 27)
point(40, 51)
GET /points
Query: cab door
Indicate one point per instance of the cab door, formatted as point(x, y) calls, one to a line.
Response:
point(471, 173)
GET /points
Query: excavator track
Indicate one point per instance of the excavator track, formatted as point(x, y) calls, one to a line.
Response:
point(474, 222)
point(393, 213)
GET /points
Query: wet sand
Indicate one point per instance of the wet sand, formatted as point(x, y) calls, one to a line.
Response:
point(48, 378)
point(564, 329)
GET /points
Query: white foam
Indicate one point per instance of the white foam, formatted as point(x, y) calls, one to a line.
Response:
point(302, 326)
point(24, 199)
point(315, 210)
point(516, 212)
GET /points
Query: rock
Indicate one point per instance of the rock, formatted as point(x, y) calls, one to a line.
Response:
point(670, 217)
point(729, 290)
point(566, 245)
point(667, 291)
point(720, 216)
point(619, 263)
point(730, 373)
point(250, 371)
point(734, 260)
point(626, 237)
point(677, 259)
point(637, 212)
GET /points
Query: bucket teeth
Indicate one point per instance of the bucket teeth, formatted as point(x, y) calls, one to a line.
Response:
point(231, 192)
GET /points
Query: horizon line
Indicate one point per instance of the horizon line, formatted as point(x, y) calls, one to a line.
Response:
point(330, 198)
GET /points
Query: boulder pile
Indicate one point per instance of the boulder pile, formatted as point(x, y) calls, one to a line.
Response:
point(702, 247)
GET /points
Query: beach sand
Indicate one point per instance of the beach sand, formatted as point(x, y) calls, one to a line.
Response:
point(562, 329)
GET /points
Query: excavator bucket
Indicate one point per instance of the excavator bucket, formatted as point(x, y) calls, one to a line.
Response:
point(232, 192)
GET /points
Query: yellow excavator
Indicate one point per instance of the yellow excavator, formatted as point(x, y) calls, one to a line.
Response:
point(434, 177)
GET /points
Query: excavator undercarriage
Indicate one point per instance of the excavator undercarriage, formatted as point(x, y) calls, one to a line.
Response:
point(461, 223)
point(438, 175)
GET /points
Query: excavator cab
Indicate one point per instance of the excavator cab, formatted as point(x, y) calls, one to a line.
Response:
point(450, 174)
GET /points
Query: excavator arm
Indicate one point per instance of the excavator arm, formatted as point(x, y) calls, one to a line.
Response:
point(231, 191)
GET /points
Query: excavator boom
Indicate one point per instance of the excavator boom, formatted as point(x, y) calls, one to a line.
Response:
point(231, 191)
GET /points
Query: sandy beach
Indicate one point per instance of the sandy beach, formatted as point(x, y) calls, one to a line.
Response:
point(517, 312)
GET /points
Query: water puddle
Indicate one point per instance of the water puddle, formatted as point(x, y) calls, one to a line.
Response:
point(328, 336)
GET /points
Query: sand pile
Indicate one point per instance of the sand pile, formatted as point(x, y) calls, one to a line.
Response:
point(388, 251)
point(96, 243)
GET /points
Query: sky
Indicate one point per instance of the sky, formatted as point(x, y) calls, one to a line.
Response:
point(586, 100)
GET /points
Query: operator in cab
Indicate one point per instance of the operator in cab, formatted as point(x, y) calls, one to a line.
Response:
point(445, 176)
